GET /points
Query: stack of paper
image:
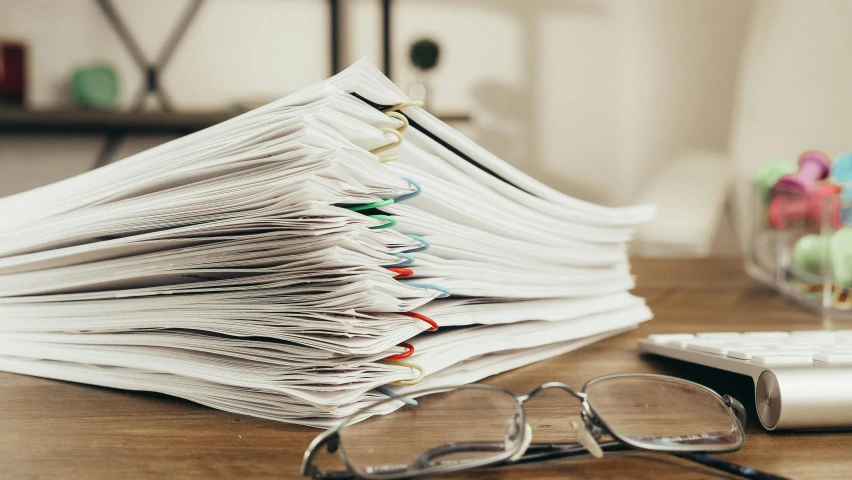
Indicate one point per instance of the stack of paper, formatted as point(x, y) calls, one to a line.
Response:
point(293, 263)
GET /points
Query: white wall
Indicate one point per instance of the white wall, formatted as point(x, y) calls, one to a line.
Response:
point(590, 96)
point(795, 90)
point(237, 50)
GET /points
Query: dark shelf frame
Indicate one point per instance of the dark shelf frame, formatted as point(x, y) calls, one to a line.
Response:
point(96, 122)
point(151, 70)
point(117, 124)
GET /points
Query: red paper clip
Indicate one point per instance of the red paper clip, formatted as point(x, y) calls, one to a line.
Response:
point(426, 319)
point(402, 272)
point(400, 356)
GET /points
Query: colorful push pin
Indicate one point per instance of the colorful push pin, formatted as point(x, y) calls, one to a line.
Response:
point(841, 169)
point(770, 173)
point(841, 173)
point(809, 252)
point(785, 210)
point(809, 255)
point(841, 257)
point(813, 166)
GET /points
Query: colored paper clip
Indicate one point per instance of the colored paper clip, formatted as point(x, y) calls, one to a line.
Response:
point(401, 272)
point(405, 383)
point(389, 222)
point(420, 239)
point(406, 354)
point(400, 106)
point(411, 195)
point(402, 118)
point(426, 319)
point(394, 144)
point(386, 391)
point(429, 286)
point(367, 206)
point(409, 259)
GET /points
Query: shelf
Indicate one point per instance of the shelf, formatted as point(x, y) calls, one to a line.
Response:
point(19, 120)
point(24, 121)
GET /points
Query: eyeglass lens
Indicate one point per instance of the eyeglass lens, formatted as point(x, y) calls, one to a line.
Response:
point(449, 429)
point(663, 413)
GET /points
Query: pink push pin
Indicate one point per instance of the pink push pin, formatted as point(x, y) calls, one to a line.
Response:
point(787, 209)
point(813, 166)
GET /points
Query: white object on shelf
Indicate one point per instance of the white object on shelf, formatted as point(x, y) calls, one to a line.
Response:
point(690, 194)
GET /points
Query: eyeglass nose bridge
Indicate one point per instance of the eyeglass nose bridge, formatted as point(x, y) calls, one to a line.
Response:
point(591, 431)
point(544, 386)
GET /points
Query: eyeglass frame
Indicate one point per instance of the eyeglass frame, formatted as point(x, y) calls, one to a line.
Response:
point(594, 424)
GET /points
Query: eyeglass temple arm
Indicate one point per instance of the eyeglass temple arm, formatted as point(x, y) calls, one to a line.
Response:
point(423, 460)
point(548, 451)
point(745, 472)
point(542, 452)
point(737, 407)
point(328, 439)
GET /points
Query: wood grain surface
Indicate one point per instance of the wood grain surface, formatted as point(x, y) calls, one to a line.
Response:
point(52, 429)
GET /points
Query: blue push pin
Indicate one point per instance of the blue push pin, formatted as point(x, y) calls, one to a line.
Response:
point(841, 173)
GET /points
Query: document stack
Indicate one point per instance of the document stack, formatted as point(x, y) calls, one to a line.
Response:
point(306, 258)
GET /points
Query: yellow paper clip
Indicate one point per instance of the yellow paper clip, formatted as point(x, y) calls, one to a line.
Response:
point(402, 118)
point(406, 383)
point(394, 144)
point(415, 103)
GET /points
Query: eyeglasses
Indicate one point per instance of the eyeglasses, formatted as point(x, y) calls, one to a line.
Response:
point(475, 426)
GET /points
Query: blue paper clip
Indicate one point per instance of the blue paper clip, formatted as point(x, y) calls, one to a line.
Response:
point(385, 391)
point(409, 195)
point(409, 259)
point(429, 286)
point(419, 239)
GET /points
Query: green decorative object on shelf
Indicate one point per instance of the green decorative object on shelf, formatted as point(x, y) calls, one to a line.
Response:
point(425, 54)
point(95, 86)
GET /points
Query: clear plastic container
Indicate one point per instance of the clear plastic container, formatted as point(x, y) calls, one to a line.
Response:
point(799, 246)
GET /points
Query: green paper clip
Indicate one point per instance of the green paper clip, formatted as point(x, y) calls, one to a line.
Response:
point(367, 206)
point(389, 221)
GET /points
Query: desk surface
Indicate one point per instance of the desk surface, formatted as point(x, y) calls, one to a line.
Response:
point(51, 429)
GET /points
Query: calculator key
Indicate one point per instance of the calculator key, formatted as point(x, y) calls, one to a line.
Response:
point(794, 348)
point(766, 334)
point(782, 360)
point(834, 358)
point(718, 335)
point(746, 340)
point(716, 348)
point(666, 338)
point(682, 343)
point(836, 349)
point(745, 354)
point(813, 333)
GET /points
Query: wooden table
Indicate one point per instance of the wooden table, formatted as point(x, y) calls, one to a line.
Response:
point(51, 429)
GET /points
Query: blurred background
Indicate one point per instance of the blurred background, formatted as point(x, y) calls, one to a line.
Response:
point(676, 102)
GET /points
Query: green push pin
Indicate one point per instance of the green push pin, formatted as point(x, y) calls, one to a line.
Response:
point(770, 173)
point(841, 257)
point(809, 252)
